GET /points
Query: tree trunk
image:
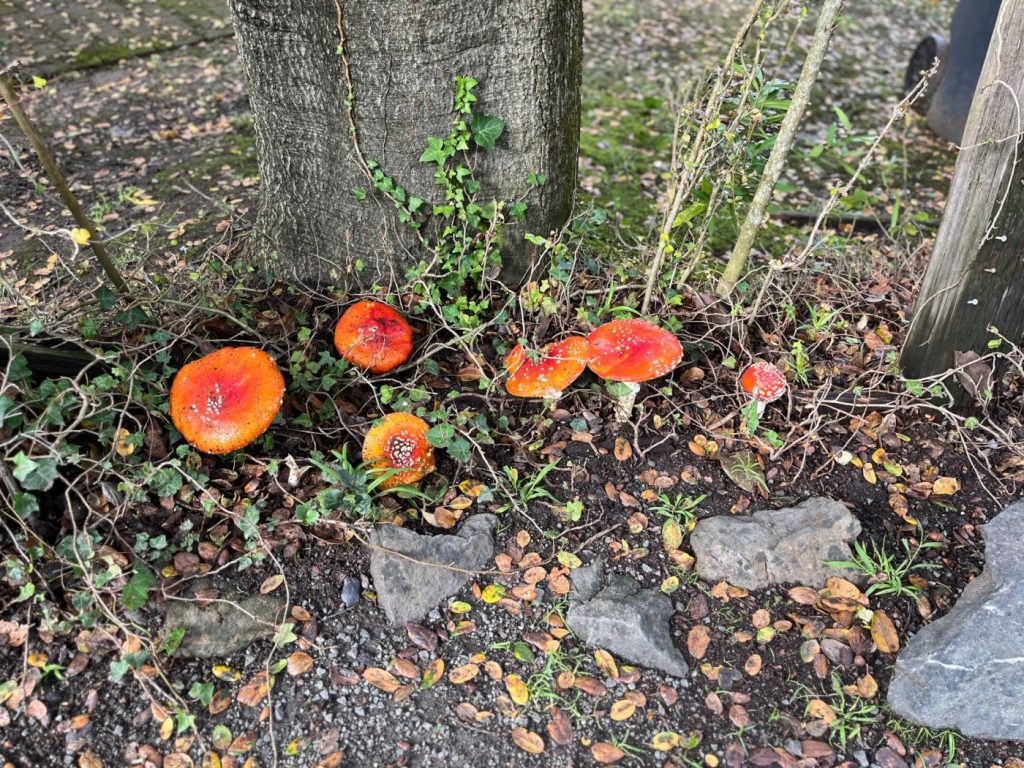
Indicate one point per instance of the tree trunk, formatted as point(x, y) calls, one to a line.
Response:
point(976, 274)
point(403, 56)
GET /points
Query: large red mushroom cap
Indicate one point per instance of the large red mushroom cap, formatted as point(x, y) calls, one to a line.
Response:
point(225, 400)
point(373, 336)
point(560, 364)
point(399, 441)
point(763, 382)
point(633, 351)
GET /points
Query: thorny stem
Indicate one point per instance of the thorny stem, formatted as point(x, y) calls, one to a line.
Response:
point(10, 95)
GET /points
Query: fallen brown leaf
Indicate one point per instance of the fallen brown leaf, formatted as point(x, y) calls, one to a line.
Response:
point(528, 741)
point(606, 753)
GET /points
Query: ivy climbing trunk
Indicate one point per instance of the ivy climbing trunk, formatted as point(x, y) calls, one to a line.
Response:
point(402, 57)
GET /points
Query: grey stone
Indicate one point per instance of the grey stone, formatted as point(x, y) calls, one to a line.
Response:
point(784, 546)
point(350, 591)
point(223, 627)
point(965, 670)
point(414, 572)
point(617, 614)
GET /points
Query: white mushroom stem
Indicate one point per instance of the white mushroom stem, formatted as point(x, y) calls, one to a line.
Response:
point(760, 407)
point(624, 403)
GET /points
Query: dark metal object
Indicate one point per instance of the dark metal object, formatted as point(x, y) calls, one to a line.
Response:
point(928, 50)
point(964, 56)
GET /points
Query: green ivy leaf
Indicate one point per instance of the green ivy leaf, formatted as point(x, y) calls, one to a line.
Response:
point(441, 435)
point(25, 504)
point(487, 130)
point(201, 692)
point(136, 591)
point(34, 474)
point(436, 152)
point(460, 449)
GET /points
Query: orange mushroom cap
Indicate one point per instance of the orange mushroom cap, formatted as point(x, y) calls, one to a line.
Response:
point(399, 441)
point(373, 336)
point(633, 351)
point(763, 381)
point(560, 364)
point(225, 400)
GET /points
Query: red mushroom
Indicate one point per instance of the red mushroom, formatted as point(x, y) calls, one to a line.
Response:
point(560, 364)
point(225, 400)
point(373, 336)
point(399, 441)
point(632, 351)
point(764, 383)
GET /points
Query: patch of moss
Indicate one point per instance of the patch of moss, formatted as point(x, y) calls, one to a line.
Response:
point(99, 54)
point(623, 136)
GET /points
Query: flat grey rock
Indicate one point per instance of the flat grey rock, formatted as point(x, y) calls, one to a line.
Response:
point(781, 546)
point(966, 670)
point(414, 581)
point(617, 614)
point(224, 627)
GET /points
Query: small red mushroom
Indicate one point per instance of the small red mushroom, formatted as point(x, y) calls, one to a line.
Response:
point(632, 351)
point(559, 365)
point(225, 400)
point(373, 336)
point(399, 441)
point(764, 383)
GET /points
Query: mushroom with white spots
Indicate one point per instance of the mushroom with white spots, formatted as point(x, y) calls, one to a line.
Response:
point(399, 442)
point(373, 336)
point(557, 366)
point(632, 351)
point(225, 400)
point(764, 383)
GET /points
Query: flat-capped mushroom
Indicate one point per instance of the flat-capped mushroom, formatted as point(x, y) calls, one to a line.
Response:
point(558, 366)
point(373, 336)
point(399, 441)
point(763, 382)
point(225, 400)
point(632, 351)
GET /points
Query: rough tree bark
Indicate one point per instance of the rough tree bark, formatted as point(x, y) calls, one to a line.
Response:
point(403, 56)
point(976, 274)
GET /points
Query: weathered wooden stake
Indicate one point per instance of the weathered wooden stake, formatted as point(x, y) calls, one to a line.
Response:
point(975, 278)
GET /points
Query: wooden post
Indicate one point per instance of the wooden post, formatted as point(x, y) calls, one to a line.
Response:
point(975, 278)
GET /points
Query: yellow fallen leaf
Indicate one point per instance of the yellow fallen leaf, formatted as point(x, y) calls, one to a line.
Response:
point(432, 673)
point(622, 709)
point(883, 632)
point(80, 236)
point(606, 663)
point(382, 679)
point(124, 448)
point(869, 474)
point(492, 593)
point(665, 741)
point(517, 689)
point(945, 486)
point(463, 674)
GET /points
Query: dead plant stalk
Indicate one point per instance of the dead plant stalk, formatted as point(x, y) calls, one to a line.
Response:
point(689, 176)
point(734, 269)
